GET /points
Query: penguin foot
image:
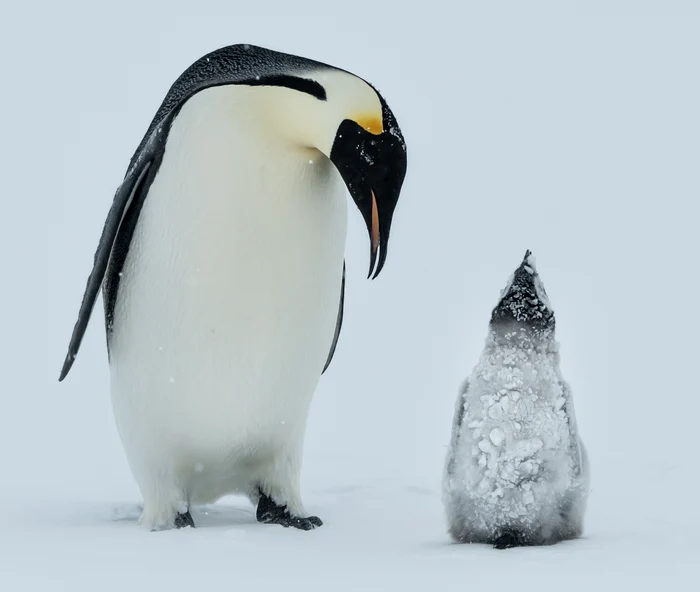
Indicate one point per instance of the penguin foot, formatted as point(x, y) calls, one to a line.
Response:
point(508, 540)
point(270, 513)
point(183, 520)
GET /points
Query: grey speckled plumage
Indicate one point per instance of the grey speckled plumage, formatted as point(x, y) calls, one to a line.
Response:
point(516, 472)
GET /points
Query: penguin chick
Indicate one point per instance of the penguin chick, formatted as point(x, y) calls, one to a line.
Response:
point(516, 473)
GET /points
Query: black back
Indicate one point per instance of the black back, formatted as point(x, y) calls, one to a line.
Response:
point(235, 64)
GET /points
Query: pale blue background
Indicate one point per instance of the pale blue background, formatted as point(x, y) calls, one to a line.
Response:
point(569, 128)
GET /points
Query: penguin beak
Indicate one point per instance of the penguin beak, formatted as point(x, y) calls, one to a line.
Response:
point(374, 232)
point(373, 167)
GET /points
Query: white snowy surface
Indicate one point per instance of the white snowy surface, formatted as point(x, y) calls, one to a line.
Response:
point(569, 128)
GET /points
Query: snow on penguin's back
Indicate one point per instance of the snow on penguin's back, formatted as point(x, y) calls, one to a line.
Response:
point(516, 471)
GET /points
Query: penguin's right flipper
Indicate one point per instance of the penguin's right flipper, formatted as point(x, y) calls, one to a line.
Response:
point(457, 419)
point(133, 190)
point(460, 409)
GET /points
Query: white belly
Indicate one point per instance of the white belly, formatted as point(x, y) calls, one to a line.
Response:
point(227, 304)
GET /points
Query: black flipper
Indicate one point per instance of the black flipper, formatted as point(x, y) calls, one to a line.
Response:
point(122, 200)
point(269, 512)
point(339, 323)
point(235, 64)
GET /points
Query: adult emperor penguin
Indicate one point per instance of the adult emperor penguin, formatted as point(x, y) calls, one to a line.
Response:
point(517, 471)
point(222, 269)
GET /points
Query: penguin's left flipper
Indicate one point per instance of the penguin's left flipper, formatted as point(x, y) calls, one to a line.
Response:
point(270, 513)
point(338, 323)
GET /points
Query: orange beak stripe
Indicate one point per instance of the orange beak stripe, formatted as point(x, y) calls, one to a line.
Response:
point(374, 125)
point(375, 225)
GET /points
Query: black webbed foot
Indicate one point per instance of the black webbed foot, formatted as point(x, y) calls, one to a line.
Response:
point(510, 539)
point(183, 520)
point(270, 513)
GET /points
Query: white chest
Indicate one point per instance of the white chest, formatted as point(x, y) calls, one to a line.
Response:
point(230, 291)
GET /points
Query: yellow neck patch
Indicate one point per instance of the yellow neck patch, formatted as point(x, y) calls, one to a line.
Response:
point(370, 123)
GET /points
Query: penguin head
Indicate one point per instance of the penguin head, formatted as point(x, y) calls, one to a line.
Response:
point(524, 311)
point(346, 119)
point(370, 154)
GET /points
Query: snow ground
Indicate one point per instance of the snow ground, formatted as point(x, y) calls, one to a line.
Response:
point(568, 128)
point(380, 534)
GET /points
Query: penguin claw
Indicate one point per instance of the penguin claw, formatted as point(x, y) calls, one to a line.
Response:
point(308, 523)
point(269, 512)
point(315, 520)
point(184, 520)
